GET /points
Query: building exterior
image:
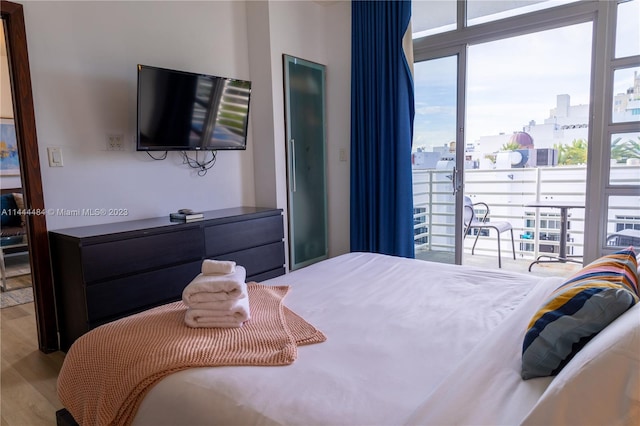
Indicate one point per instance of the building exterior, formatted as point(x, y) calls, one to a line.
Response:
point(509, 180)
point(565, 124)
point(626, 106)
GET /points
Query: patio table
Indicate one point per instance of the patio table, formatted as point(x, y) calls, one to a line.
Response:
point(564, 206)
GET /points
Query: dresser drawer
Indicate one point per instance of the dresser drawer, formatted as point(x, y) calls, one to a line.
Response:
point(258, 259)
point(106, 272)
point(121, 297)
point(232, 237)
point(112, 259)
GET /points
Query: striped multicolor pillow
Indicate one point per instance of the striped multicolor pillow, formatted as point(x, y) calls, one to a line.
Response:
point(577, 310)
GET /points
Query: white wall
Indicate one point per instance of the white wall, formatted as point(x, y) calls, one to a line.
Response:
point(83, 58)
point(318, 32)
point(265, 154)
point(338, 25)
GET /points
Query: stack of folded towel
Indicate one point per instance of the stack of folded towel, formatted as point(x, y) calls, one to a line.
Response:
point(218, 296)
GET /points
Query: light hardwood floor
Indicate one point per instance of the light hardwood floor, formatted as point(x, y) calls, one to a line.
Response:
point(28, 376)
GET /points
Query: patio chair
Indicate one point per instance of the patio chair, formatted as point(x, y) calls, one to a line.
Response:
point(471, 221)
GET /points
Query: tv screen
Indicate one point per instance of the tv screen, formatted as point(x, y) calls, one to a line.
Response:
point(184, 111)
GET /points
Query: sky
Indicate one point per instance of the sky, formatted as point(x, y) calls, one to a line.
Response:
point(508, 83)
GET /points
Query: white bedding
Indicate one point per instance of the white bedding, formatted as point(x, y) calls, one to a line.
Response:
point(396, 328)
point(600, 386)
point(486, 388)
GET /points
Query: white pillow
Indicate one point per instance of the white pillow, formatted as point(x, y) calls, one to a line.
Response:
point(601, 384)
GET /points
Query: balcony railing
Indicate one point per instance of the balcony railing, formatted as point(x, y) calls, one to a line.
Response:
point(507, 192)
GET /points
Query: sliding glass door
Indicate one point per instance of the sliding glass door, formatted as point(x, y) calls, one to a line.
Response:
point(435, 162)
point(527, 140)
point(572, 144)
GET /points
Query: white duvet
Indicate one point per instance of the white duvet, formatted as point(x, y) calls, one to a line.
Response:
point(395, 329)
point(407, 342)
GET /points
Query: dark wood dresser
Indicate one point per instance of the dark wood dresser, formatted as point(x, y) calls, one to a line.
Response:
point(105, 272)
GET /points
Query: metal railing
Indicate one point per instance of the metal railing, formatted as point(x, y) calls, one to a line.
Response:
point(507, 192)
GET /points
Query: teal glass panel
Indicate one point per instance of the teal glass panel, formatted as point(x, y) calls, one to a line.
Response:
point(305, 126)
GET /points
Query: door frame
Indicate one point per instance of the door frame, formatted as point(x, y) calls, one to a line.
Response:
point(25, 124)
point(460, 52)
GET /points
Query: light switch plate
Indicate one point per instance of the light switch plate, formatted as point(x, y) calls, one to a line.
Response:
point(55, 156)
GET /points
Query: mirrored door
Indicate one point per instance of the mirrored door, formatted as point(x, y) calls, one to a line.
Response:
point(25, 128)
point(15, 269)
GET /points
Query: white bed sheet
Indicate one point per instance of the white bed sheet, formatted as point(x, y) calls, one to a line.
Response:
point(600, 386)
point(395, 329)
point(486, 387)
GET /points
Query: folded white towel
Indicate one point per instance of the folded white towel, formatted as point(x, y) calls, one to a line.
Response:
point(211, 301)
point(216, 287)
point(231, 318)
point(217, 267)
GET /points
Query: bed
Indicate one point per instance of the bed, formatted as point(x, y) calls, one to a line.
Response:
point(410, 342)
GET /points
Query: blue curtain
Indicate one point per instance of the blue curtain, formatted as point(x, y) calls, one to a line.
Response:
point(382, 113)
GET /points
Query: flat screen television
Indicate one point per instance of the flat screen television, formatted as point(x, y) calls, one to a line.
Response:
point(183, 111)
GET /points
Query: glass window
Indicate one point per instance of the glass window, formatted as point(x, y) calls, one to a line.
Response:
point(627, 222)
point(481, 11)
point(523, 95)
point(436, 102)
point(626, 95)
point(623, 224)
point(625, 159)
point(627, 29)
point(548, 100)
point(432, 17)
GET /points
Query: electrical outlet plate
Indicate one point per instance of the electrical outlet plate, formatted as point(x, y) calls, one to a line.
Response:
point(115, 142)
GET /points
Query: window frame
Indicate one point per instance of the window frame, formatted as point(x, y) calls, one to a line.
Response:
point(603, 15)
point(605, 189)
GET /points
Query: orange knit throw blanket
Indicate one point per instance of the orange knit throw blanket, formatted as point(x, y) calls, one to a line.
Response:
point(107, 372)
